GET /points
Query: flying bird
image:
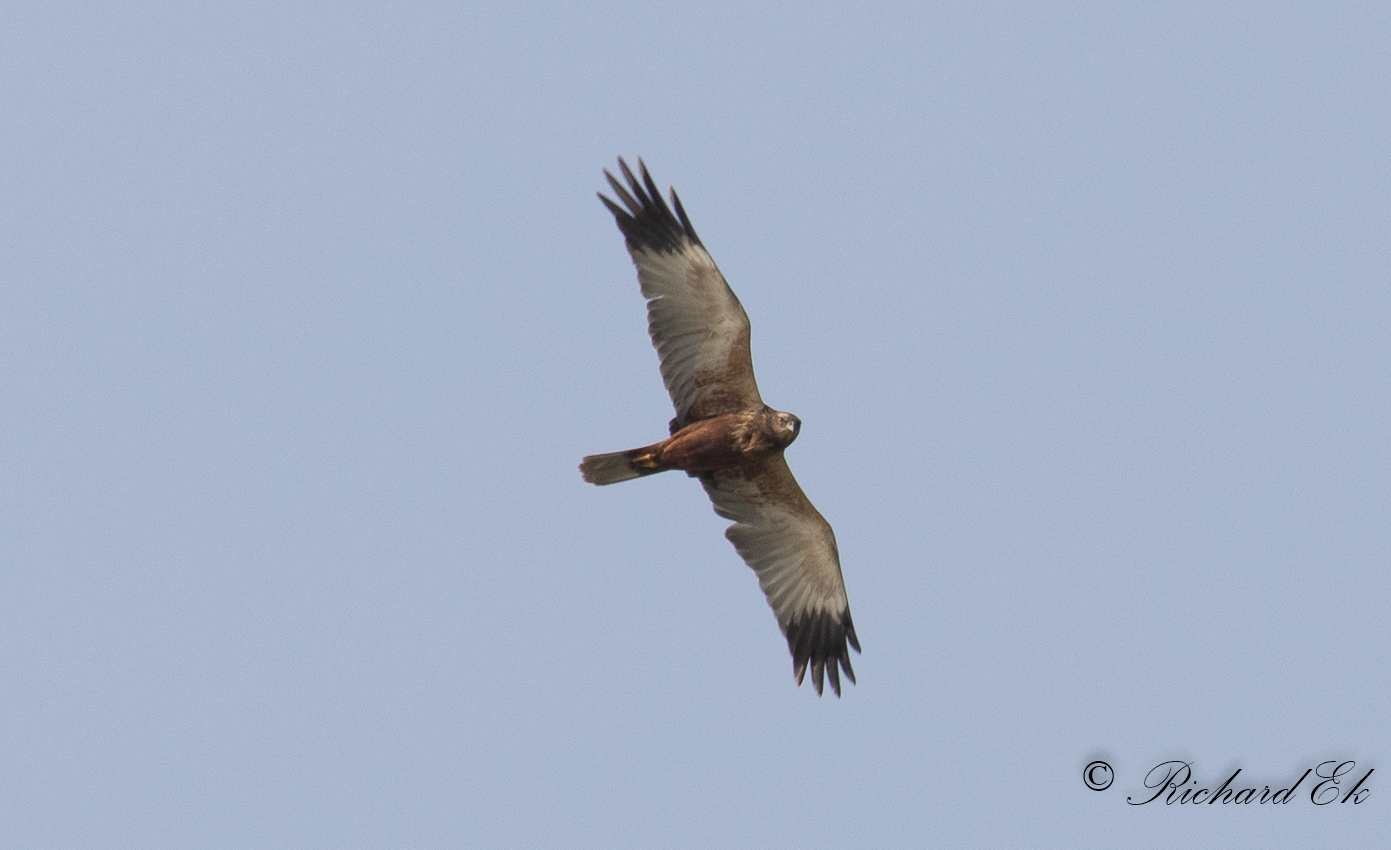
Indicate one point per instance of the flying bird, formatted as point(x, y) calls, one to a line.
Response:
point(725, 435)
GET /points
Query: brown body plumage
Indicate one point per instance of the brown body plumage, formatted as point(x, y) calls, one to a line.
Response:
point(728, 441)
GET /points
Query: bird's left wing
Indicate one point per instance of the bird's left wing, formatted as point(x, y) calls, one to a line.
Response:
point(791, 547)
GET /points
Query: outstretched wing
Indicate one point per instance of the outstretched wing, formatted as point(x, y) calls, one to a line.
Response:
point(697, 325)
point(791, 547)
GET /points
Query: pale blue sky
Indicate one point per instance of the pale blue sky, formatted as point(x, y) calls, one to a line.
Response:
point(308, 312)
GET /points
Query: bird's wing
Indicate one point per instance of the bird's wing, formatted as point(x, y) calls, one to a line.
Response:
point(697, 325)
point(791, 547)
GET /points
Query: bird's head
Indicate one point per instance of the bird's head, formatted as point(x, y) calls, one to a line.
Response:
point(785, 427)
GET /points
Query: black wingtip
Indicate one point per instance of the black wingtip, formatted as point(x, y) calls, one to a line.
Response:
point(850, 631)
point(647, 223)
point(821, 641)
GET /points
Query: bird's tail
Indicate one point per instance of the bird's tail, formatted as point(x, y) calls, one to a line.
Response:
point(621, 466)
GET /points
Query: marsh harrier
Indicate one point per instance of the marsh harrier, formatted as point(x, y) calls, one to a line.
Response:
point(725, 435)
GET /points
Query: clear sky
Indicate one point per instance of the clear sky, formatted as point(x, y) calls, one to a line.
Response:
point(308, 313)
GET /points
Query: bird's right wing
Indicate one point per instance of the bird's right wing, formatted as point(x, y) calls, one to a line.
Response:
point(697, 325)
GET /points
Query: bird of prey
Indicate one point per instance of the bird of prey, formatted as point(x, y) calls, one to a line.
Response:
point(725, 435)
